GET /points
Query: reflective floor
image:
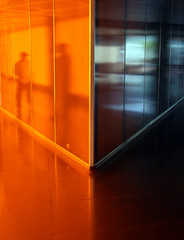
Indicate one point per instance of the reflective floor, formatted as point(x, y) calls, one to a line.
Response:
point(139, 196)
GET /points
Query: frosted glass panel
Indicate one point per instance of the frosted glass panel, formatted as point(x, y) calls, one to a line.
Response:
point(42, 66)
point(72, 77)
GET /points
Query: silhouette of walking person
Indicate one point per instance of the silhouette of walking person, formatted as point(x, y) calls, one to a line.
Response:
point(22, 74)
point(63, 78)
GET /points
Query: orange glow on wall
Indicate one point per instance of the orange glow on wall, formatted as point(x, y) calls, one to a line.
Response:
point(41, 19)
point(44, 66)
point(72, 70)
point(22, 61)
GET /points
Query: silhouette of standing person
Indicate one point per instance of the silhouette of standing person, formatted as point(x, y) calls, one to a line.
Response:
point(22, 74)
point(63, 78)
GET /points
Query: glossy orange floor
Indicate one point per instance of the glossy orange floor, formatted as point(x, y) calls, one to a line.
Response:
point(41, 196)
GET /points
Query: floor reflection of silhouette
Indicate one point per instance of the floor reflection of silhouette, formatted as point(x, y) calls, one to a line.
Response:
point(23, 87)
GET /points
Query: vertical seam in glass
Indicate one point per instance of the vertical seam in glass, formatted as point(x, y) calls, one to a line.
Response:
point(91, 81)
point(95, 86)
point(14, 58)
point(90, 84)
point(178, 69)
point(145, 48)
point(159, 59)
point(30, 48)
point(54, 72)
point(124, 112)
point(169, 84)
point(6, 65)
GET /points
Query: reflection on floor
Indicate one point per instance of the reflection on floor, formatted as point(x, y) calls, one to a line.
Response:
point(137, 197)
point(41, 196)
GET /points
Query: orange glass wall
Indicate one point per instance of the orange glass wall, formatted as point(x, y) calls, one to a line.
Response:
point(44, 69)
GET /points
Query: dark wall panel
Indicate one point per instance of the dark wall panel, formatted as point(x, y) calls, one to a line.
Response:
point(135, 66)
point(165, 68)
point(139, 66)
point(109, 64)
point(153, 17)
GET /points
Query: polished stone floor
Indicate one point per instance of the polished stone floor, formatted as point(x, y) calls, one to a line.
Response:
point(138, 196)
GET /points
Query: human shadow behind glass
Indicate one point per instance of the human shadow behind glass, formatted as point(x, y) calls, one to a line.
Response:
point(63, 98)
point(23, 87)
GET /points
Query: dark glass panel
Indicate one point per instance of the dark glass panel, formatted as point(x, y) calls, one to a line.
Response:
point(152, 60)
point(135, 66)
point(167, 14)
point(174, 45)
point(109, 76)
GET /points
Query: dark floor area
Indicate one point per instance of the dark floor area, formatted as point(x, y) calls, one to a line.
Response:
point(140, 196)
